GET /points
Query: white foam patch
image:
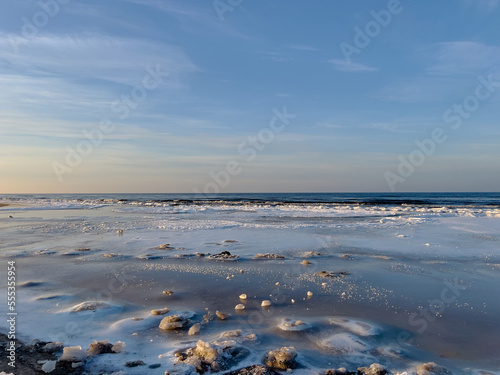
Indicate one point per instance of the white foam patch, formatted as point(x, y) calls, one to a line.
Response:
point(292, 325)
point(344, 343)
point(358, 327)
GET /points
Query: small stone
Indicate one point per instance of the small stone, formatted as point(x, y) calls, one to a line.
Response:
point(155, 365)
point(52, 347)
point(266, 303)
point(221, 315)
point(292, 300)
point(168, 292)
point(134, 363)
point(194, 330)
point(240, 307)
point(305, 262)
point(243, 296)
point(119, 232)
point(310, 294)
point(173, 322)
point(100, 347)
point(160, 311)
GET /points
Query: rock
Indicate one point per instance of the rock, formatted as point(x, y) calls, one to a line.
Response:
point(118, 347)
point(283, 358)
point(240, 307)
point(253, 370)
point(194, 330)
point(231, 334)
point(291, 325)
point(212, 357)
point(266, 303)
point(224, 255)
point(155, 365)
point(73, 354)
point(119, 232)
point(160, 311)
point(100, 347)
point(165, 246)
point(310, 294)
point(340, 371)
point(221, 315)
point(168, 292)
point(134, 363)
point(243, 296)
point(305, 262)
point(432, 368)
point(52, 347)
point(269, 256)
point(49, 366)
point(172, 322)
point(374, 369)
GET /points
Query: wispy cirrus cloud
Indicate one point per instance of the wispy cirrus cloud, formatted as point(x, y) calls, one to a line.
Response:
point(346, 66)
point(462, 57)
point(303, 47)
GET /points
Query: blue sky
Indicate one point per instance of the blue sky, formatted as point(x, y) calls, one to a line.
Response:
point(224, 70)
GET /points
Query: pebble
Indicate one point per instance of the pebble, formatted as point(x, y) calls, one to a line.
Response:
point(240, 307)
point(160, 311)
point(309, 294)
point(221, 315)
point(243, 296)
point(266, 303)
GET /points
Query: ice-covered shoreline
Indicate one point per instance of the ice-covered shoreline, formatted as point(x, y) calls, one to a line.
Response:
point(368, 270)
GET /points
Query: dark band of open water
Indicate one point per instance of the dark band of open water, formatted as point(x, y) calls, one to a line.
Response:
point(373, 199)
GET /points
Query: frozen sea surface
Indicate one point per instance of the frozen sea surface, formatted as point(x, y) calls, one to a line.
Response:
point(398, 283)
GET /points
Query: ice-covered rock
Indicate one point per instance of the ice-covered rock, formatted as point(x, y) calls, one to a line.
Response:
point(432, 368)
point(374, 369)
point(224, 255)
point(253, 370)
point(269, 256)
point(291, 325)
point(172, 322)
point(118, 347)
point(221, 315)
point(73, 354)
point(160, 311)
point(135, 363)
point(283, 358)
point(339, 371)
point(100, 347)
point(194, 330)
point(52, 347)
point(212, 357)
point(104, 346)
